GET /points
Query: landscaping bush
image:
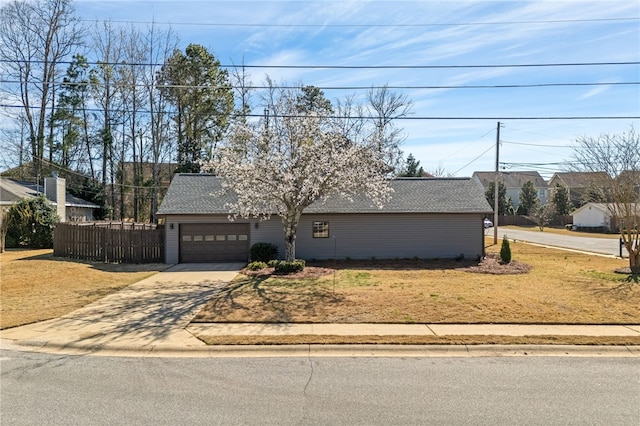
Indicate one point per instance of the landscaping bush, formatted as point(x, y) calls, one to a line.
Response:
point(30, 223)
point(289, 267)
point(505, 251)
point(263, 252)
point(256, 266)
point(272, 263)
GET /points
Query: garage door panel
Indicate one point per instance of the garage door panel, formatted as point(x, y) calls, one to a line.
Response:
point(214, 242)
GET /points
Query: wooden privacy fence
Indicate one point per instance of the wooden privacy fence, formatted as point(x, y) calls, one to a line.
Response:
point(115, 242)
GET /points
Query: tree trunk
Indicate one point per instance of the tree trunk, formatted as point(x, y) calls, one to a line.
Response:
point(290, 223)
point(634, 260)
point(290, 247)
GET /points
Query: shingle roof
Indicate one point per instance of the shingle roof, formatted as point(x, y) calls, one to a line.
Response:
point(580, 179)
point(203, 194)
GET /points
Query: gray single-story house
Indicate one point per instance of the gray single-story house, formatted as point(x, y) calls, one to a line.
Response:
point(425, 218)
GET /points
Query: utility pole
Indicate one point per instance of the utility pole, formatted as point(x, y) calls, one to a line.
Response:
point(496, 187)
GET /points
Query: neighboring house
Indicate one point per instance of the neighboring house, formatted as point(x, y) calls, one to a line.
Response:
point(513, 182)
point(578, 183)
point(593, 215)
point(425, 218)
point(630, 178)
point(69, 208)
point(596, 215)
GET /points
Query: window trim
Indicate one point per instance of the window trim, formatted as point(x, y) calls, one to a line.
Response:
point(320, 229)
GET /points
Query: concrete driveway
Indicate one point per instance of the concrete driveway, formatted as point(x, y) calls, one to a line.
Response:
point(151, 313)
point(588, 244)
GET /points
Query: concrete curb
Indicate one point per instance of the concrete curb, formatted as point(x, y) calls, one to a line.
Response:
point(306, 350)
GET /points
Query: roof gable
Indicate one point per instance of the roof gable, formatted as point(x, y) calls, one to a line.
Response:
point(204, 194)
point(578, 179)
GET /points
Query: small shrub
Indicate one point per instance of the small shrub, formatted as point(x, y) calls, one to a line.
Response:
point(263, 252)
point(505, 251)
point(272, 263)
point(289, 267)
point(256, 266)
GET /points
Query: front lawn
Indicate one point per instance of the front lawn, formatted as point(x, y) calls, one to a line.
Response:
point(561, 287)
point(36, 286)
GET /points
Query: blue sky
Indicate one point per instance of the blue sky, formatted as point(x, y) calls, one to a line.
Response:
point(432, 33)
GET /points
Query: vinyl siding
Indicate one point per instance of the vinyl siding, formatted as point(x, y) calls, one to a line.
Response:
point(591, 216)
point(360, 236)
point(386, 236)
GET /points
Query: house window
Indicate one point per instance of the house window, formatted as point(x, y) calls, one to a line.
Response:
point(320, 229)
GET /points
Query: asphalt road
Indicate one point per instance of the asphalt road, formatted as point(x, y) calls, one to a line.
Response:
point(590, 244)
point(67, 390)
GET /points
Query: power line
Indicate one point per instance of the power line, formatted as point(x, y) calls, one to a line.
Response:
point(362, 117)
point(536, 144)
point(480, 86)
point(475, 159)
point(418, 25)
point(350, 67)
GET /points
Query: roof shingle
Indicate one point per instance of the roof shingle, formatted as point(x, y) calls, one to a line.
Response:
point(204, 194)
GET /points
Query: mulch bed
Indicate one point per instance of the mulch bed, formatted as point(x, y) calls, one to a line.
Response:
point(307, 272)
point(491, 264)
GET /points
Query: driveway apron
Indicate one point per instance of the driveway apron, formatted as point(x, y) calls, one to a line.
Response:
point(150, 313)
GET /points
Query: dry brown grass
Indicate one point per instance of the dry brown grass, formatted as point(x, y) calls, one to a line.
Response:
point(420, 340)
point(561, 287)
point(35, 286)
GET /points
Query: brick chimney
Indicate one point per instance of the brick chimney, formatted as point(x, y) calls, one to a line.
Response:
point(55, 189)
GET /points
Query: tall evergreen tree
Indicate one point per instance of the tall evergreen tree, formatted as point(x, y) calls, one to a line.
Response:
point(201, 95)
point(528, 198)
point(504, 204)
point(72, 116)
point(561, 200)
point(412, 168)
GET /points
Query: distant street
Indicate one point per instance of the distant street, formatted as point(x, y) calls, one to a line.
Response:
point(66, 390)
point(590, 244)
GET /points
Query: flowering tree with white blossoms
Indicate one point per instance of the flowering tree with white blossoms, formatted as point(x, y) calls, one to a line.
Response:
point(298, 153)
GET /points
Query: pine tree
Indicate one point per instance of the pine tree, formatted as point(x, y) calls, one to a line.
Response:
point(504, 204)
point(528, 198)
point(561, 200)
point(505, 251)
point(200, 91)
point(412, 168)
